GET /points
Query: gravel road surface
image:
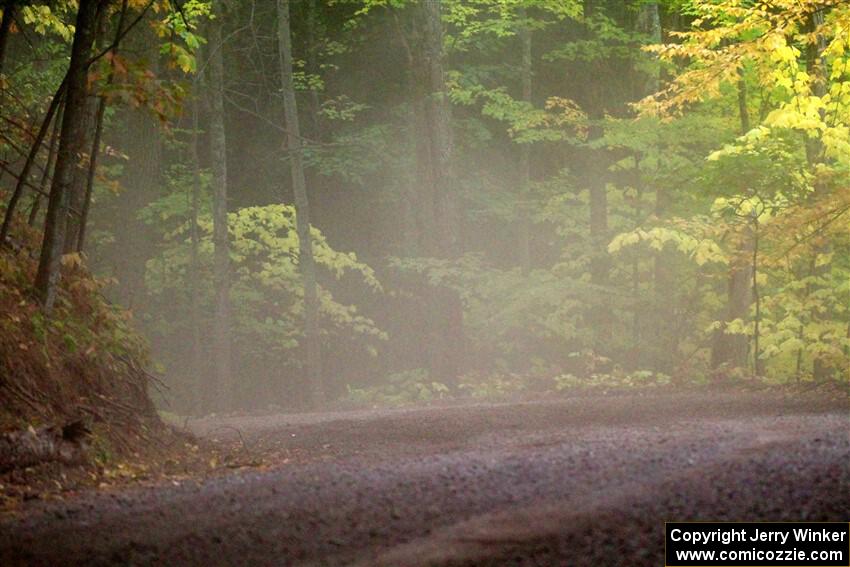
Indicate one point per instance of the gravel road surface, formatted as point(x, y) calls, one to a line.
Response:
point(583, 481)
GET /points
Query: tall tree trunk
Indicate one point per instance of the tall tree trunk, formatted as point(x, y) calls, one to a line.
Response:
point(141, 181)
point(447, 337)
point(195, 363)
point(730, 350)
point(313, 68)
point(67, 155)
point(524, 229)
point(600, 260)
point(48, 169)
point(595, 179)
point(665, 338)
point(222, 347)
point(758, 363)
point(312, 346)
point(9, 11)
point(99, 112)
point(77, 198)
point(649, 23)
point(23, 177)
point(86, 195)
point(822, 368)
point(438, 111)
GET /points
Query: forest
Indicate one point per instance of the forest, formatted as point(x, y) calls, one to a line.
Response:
point(423, 282)
point(298, 203)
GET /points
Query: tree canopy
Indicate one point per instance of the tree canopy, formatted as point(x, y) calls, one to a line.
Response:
point(391, 200)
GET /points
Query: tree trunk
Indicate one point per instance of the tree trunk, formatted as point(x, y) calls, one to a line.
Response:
point(600, 261)
point(23, 178)
point(313, 68)
point(649, 23)
point(48, 168)
point(411, 217)
point(77, 198)
point(80, 241)
point(222, 348)
point(141, 181)
point(446, 312)
point(9, 11)
point(67, 155)
point(595, 179)
point(758, 363)
point(99, 112)
point(524, 229)
point(822, 368)
point(312, 346)
point(196, 363)
point(728, 350)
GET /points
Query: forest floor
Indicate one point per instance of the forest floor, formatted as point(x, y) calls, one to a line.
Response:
point(581, 481)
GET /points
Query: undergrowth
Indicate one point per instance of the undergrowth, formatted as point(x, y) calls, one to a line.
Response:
point(82, 362)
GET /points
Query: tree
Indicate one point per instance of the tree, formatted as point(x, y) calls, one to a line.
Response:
point(10, 8)
point(222, 352)
point(524, 244)
point(796, 59)
point(440, 195)
point(70, 145)
point(312, 344)
point(729, 350)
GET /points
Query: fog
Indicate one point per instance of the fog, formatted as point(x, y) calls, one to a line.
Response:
point(469, 183)
point(424, 282)
point(506, 201)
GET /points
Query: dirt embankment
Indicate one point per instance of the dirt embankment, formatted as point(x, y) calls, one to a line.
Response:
point(73, 385)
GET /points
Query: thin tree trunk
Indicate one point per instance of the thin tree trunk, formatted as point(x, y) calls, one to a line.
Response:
point(313, 68)
point(438, 111)
point(67, 154)
point(9, 11)
point(595, 178)
point(666, 342)
point(88, 129)
point(98, 134)
point(141, 181)
point(222, 347)
point(80, 242)
point(822, 368)
point(524, 244)
point(758, 363)
point(600, 261)
point(48, 168)
point(649, 23)
point(194, 263)
point(306, 263)
point(743, 110)
point(446, 310)
point(31, 157)
point(730, 350)
point(410, 208)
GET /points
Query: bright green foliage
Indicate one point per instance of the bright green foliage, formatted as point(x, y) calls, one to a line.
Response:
point(638, 379)
point(782, 186)
point(610, 235)
point(401, 388)
point(266, 291)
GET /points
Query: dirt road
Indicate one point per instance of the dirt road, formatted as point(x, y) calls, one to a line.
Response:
point(585, 481)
